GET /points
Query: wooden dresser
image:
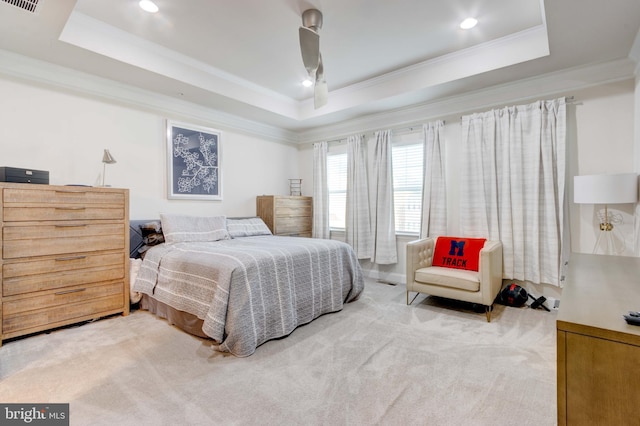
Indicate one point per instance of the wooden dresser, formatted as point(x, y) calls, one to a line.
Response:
point(598, 352)
point(286, 215)
point(65, 255)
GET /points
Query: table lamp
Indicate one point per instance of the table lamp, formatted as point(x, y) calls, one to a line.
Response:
point(107, 158)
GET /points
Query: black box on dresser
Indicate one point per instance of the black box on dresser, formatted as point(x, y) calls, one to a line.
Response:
point(18, 175)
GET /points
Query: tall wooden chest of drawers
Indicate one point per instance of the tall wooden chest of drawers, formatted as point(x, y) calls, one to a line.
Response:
point(286, 215)
point(65, 254)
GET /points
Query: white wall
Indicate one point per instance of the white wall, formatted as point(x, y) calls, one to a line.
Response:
point(604, 143)
point(65, 133)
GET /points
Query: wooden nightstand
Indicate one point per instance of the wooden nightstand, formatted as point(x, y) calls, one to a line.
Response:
point(286, 215)
point(65, 254)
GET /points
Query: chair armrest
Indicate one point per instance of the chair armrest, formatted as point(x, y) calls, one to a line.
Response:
point(490, 270)
point(419, 255)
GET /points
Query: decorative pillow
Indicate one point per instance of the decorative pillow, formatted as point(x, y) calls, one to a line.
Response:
point(459, 253)
point(247, 227)
point(151, 235)
point(182, 228)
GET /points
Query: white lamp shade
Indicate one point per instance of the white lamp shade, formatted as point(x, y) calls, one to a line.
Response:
point(605, 189)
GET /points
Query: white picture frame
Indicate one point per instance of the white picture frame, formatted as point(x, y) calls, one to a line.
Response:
point(194, 167)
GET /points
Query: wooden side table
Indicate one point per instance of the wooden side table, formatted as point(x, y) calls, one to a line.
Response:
point(598, 352)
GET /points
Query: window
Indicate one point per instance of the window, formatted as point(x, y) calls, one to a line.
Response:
point(337, 184)
point(407, 185)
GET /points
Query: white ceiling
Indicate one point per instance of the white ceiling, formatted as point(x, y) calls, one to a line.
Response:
point(243, 57)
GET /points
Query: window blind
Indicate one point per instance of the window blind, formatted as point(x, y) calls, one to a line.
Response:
point(337, 185)
point(407, 186)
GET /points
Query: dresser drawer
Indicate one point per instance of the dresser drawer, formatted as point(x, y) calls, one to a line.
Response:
point(17, 269)
point(62, 238)
point(292, 225)
point(31, 321)
point(62, 203)
point(62, 195)
point(26, 277)
point(50, 299)
point(61, 213)
point(298, 209)
point(296, 234)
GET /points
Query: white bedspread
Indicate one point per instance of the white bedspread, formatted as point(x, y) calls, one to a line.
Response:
point(252, 289)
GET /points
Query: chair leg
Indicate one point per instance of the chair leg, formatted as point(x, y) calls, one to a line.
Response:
point(414, 297)
point(488, 310)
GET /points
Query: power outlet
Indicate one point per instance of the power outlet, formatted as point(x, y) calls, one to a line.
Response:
point(552, 303)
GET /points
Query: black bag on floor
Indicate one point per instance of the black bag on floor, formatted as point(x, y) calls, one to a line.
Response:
point(512, 295)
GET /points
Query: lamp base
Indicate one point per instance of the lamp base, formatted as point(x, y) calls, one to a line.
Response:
point(605, 232)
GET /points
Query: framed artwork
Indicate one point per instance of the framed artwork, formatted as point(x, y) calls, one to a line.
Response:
point(193, 159)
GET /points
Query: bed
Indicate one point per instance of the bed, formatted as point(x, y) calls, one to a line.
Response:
point(232, 281)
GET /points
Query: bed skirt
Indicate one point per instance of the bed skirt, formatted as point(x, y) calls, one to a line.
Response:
point(183, 320)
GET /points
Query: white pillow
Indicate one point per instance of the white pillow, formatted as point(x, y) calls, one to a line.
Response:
point(181, 228)
point(247, 227)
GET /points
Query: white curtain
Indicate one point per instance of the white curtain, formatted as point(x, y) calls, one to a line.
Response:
point(434, 190)
point(513, 186)
point(358, 219)
point(320, 191)
point(383, 221)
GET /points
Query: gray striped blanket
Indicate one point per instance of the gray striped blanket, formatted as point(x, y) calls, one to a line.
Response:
point(252, 289)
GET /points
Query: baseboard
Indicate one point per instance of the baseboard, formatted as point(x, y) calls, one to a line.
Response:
point(391, 278)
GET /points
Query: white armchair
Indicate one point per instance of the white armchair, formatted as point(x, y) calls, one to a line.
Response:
point(479, 287)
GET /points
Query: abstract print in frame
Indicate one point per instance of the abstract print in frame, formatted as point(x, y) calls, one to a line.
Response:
point(193, 157)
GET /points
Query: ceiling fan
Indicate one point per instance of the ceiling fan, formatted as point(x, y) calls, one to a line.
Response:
point(311, 57)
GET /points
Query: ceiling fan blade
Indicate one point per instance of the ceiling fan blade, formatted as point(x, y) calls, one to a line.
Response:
point(310, 49)
point(320, 89)
point(320, 94)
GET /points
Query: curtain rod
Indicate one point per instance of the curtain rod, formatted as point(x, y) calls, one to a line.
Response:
point(410, 128)
point(343, 140)
point(336, 141)
point(569, 100)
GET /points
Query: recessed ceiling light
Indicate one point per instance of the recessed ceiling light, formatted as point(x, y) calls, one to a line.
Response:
point(148, 6)
point(468, 23)
point(307, 83)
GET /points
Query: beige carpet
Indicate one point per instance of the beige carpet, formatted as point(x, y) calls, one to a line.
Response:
point(376, 362)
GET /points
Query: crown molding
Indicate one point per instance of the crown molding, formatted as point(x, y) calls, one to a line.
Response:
point(560, 83)
point(96, 36)
point(516, 48)
point(44, 73)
